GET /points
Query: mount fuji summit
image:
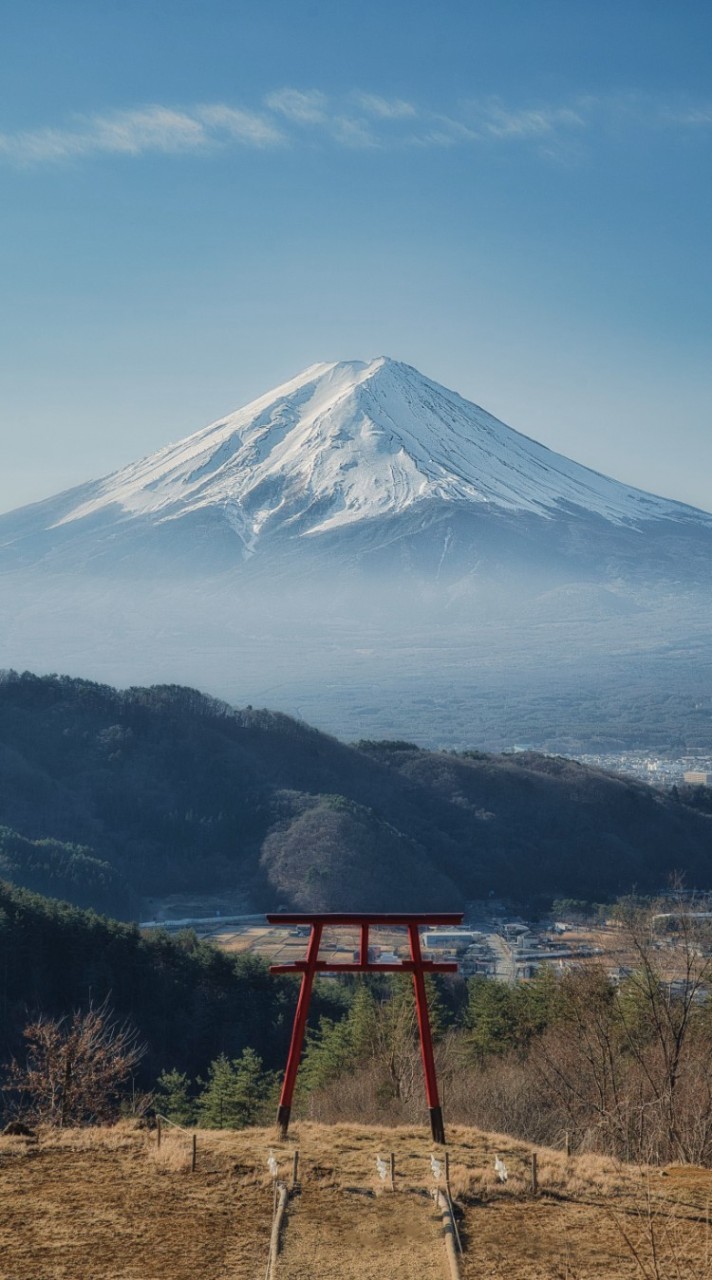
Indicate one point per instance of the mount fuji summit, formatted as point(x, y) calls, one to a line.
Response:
point(354, 543)
point(369, 465)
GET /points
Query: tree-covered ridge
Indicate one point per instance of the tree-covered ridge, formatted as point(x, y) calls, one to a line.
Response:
point(146, 792)
point(187, 1000)
point(61, 870)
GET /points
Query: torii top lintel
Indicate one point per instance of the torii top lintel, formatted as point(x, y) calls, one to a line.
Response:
point(390, 917)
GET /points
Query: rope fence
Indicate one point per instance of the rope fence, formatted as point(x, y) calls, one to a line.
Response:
point(285, 1173)
point(189, 1133)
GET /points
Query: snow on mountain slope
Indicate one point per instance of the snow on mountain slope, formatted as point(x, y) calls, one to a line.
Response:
point(345, 442)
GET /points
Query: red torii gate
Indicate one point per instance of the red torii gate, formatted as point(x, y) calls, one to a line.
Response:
point(313, 965)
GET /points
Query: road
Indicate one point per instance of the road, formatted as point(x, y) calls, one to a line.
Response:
point(506, 966)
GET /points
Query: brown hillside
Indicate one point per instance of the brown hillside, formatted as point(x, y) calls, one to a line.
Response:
point(107, 1205)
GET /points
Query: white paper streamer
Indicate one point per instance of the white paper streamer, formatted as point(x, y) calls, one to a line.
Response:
point(500, 1169)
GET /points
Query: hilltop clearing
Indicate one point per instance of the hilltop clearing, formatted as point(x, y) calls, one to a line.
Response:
point(112, 1196)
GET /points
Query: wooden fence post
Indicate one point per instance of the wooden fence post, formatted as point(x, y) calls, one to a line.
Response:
point(295, 1169)
point(277, 1219)
point(158, 1131)
point(567, 1143)
point(194, 1154)
point(392, 1170)
point(535, 1174)
point(449, 1229)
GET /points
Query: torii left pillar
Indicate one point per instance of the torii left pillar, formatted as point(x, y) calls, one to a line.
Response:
point(300, 1025)
point(311, 965)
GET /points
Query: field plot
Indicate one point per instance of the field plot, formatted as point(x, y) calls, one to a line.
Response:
point(282, 945)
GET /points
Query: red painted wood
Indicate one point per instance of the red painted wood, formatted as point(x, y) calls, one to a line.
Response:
point(402, 918)
point(300, 1019)
point(313, 965)
point(405, 966)
point(421, 1000)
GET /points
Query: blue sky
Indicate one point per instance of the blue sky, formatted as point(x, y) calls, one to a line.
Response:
point(197, 199)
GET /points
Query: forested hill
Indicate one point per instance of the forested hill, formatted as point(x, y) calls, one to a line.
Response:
point(188, 1000)
point(108, 797)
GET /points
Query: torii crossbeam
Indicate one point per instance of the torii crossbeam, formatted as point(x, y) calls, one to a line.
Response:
point(313, 965)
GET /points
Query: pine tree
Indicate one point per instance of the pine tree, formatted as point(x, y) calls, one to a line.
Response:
point(363, 1020)
point(173, 1098)
point(492, 1017)
point(329, 1053)
point(236, 1092)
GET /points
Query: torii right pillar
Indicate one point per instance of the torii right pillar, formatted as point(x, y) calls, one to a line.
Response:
point(426, 1039)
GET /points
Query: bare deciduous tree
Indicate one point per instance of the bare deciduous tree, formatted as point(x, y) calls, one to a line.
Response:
point(630, 1065)
point(75, 1069)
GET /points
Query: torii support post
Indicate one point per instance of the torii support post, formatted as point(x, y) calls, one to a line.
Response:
point(426, 1039)
point(312, 965)
point(300, 1024)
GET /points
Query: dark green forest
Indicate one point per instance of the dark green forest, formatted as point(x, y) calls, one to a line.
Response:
point(188, 1001)
point(109, 798)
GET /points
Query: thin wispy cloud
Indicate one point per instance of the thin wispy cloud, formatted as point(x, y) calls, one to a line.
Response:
point(148, 129)
point(247, 127)
point(298, 106)
point(291, 117)
point(442, 131)
point(385, 108)
point(696, 117)
point(498, 121)
point(350, 131)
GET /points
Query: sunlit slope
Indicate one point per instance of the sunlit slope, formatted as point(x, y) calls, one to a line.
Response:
point(134, 1209)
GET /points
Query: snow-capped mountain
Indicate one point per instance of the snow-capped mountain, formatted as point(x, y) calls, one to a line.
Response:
point(337, 446)
point(336, 449)
point(354, 457)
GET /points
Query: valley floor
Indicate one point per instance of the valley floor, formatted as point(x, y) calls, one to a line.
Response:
point(108, 1204)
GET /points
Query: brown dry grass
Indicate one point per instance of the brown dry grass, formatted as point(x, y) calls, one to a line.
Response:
point(99, 1204)
point(104, 1205)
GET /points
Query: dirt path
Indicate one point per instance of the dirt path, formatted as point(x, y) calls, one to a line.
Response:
point(341, 1235)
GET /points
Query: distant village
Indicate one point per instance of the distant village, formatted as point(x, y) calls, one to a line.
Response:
point(512, 950)
point(659, 770)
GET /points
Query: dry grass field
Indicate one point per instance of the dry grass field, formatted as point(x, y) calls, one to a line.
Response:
point(108, 1205)
point(279, 945)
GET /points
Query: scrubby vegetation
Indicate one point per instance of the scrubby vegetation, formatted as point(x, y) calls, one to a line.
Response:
point(622, 1066)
